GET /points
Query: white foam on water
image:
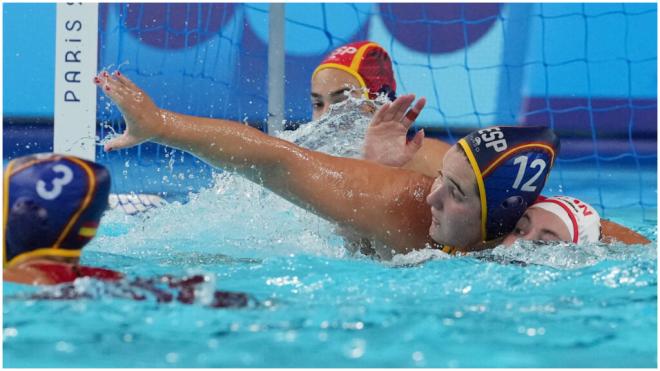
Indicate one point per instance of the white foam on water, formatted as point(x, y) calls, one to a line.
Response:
point(565, 255)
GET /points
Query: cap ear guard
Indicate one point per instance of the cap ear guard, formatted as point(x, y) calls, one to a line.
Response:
point(53, 204)
point(511, 164)
point(26, 215)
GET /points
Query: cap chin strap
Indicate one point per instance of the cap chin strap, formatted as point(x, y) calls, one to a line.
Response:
point(449, 250)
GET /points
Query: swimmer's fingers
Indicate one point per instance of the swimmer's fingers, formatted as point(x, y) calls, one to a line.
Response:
point(130, 90)
point(414, 144)
point(126, 81)
point(100, 80)
point(412, 114)
point(119, 92)
point(388, 114)
point(121, 142)
point(405, 103)
point(398, 108)
point(110, 87)
point(380, 113)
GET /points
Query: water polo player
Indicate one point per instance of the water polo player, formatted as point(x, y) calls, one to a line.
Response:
point(382, 203)
point(53, 207)
point(487, 182)
point(568, 219)
point(364, 67)
point(559, 218)
point(392, 130)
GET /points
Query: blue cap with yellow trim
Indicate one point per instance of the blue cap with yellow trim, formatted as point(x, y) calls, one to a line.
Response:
point(511, 164)
point(52, 205)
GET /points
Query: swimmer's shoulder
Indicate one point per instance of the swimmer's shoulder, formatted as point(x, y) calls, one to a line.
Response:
point(612, 232)
point(27, 275)
point(428, 160)
point(52, 273)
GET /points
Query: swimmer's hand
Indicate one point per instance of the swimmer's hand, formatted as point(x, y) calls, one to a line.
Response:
point(386, 141)
point(143, 118)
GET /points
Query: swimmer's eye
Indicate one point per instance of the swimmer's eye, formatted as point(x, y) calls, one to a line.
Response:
point(339, 98)
point(455, 194)
point(550, 237)
point(517, 231)
point(317, 105)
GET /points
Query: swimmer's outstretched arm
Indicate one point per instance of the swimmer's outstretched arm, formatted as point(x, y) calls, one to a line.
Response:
point(380, 202)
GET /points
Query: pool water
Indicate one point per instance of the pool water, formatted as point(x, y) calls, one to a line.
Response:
point(553, 305)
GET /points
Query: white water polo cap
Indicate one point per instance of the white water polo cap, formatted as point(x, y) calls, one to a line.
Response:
point(581, 219)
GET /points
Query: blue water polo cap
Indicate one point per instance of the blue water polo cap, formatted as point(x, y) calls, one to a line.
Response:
point(52, 205)
point(511, 164)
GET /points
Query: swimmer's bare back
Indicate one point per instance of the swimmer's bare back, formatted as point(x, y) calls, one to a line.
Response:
point(379, 202)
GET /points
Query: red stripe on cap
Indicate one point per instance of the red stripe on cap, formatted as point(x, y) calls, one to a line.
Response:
point(570, 215)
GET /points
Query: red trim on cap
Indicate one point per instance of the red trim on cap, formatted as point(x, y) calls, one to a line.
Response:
point(570, 215)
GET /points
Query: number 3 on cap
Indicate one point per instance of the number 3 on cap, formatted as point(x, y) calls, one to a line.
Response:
point(56, 184)
point(522, 161)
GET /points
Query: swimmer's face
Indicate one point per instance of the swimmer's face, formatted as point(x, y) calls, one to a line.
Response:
point(538, 225)
point(455, 204)
point(328, 87)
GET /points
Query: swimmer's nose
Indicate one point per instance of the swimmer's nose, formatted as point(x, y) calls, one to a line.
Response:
point(513, 237)
point(509, 239)
point(434, 198)
point(322, 112)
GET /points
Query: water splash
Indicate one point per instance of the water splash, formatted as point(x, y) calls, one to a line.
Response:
point(235, 217)
point(564, 255)
point(339, 132)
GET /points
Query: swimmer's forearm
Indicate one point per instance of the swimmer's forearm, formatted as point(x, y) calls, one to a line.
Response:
point(222, 143)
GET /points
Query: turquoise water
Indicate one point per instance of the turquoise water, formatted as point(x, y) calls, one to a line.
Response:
point(568, 307)
point(318, 306)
